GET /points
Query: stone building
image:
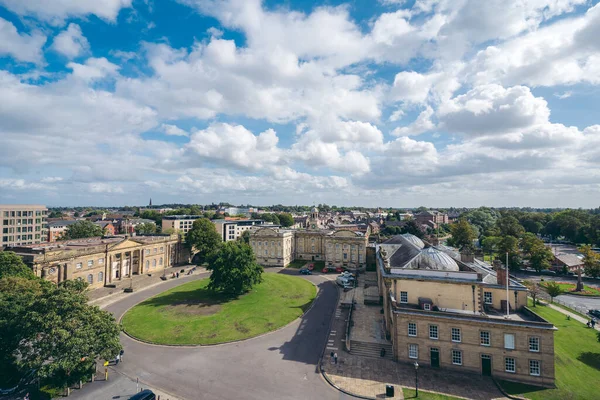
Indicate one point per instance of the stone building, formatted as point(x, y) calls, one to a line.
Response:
point(431, 219)
point(445, 310)
point(101, 261)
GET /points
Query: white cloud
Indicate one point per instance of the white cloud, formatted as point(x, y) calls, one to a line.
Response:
point(21, 46)
point(71, 43)
point(93, 69)
point(56, 11)
point(173, 130)
point(421, 125)
point(564, 95)
point(101, 187)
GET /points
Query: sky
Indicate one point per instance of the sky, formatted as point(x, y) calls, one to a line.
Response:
point(389, 103)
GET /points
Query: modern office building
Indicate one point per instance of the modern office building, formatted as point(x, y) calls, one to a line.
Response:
point(22, 224)
point(179, 223)
point(233, 229)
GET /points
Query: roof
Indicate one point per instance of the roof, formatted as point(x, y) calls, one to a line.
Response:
point(61, 223)
point(570, 260)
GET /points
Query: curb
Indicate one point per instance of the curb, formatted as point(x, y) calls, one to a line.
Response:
point(510, 396)
point(343, 390)
point(215, 344)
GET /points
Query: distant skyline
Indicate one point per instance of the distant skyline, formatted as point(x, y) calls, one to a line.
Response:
point(390, 103)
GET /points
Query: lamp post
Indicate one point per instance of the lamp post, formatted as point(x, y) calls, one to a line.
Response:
point(416, 379)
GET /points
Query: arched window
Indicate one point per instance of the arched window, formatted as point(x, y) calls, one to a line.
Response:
point(90, 279)
point(153, 263)
point(100, 277)
point(160, 261)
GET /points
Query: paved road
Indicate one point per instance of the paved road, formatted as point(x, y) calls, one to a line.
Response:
point(279, 365)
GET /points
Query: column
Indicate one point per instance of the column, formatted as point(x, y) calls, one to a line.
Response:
point(131, 263)
point(109, 268)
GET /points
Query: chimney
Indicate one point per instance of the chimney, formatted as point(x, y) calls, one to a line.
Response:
point(467, 256)
point(500, 273)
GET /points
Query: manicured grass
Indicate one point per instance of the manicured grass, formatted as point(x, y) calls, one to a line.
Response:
point(577, 361)
point(191, 314)
point(298, 264)
point(570, 310)
point(410, 394)
point(570, 287)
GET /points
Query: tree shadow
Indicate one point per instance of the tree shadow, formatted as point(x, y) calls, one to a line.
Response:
point(197, 297)
point(591, 359)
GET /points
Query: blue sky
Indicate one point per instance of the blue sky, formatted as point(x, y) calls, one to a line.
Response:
point(378, 103)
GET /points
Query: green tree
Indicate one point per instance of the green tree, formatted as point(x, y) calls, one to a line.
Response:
point(245, 237)
point(234, 269)
point(490, 244)
point(553, 289)
point(463, 234)
point(413, 228)
point(203, 237)
point(591, 261)
point(540, 256)
point(483, 218)
point(286, 219)
point(56, 214)
point(13, 265)
point(145, 228)
point(509, 226)
point(509, 244)
point(81, 229)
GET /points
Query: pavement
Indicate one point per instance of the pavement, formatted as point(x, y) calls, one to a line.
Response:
point(278, 365)
point(572, 315)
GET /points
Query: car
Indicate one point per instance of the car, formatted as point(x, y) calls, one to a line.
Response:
point(305, 271)
point(145, 394)
point(339, 269)
point(594, 313)
point(329, 269)
point(547, 272)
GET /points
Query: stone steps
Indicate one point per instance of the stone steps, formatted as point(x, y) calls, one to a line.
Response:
point(371, 349)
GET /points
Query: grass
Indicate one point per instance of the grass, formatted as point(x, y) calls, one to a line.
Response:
point(577, 361)
point(298, 264)
point(410, 394)
point(191, 314)
point(571, 310)
point(570, 287)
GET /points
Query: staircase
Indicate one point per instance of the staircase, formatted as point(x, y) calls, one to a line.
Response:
point(371, 349)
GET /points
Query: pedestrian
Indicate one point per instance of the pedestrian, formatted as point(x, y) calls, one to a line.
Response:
point(173, 276)
point(178, 274)
point(593, 323)
point(117, 359)
point(121, 354)
point(335, 358)
point(26, 397)
point(589, 324)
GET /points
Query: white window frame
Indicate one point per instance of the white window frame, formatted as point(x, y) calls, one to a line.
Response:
point(533, 365)
point(456, 335)
point(506, 344)
point(456, 355)
point(434, 328)
point(487, 295)
point(100, 261)
point(483, 340)
point(90, 263)
point(403, 297)
point(412, 325)
point(413, 351)
point(79, 265)
point(535, 341)
point(427, 307)
point(510, 365)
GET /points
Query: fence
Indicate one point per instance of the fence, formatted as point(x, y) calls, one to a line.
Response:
point(580, 309)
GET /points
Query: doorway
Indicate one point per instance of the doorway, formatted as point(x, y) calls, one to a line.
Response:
point(486, 365)
point(434, 355)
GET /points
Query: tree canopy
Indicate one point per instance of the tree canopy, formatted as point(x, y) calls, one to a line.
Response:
point(203, 237)
point(463, 234)
point(591, 261)
point(234, 269)
point(11, 265)
point(286, 219)
point(81, 229)
point(145, 228)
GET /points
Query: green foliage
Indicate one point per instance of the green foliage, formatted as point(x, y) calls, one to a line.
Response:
point(245, 237)
point(553, 289)
point(538, 253)
point(286, 219)
point(509, 226)
point(463, 234)
point(510, 245)
point(153, 215)
point(234, 269)
point(11, 265)
point(56, 214)
point(145, 228)
point(483, 218)
point(490, 244)
point(591, 261)
point(81, 229)
point(412, 227)
point(204, 238)
point(269, 217)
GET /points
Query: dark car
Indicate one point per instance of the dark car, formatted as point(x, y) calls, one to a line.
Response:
point(145, 394)
point(305, 271)
point(594, 313)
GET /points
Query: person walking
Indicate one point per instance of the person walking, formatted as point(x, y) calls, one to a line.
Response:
point(335, 358)
point(178, 274)
point(121, 354)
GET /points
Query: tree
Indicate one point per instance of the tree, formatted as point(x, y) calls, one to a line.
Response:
point(245, 237)
point(591, 261)
point(11, 265)
point(484, 218)
point(553, 290)
point(286, 219)
point(490, 244)
point(56, 214)
point(534, 290)
point(412, 227)
point(509, 244)
point(234, 269)
point(509, 226)
point(145, 228)
point(540, 256)
point(81, 229)
point(203, 237)
point(463, 234)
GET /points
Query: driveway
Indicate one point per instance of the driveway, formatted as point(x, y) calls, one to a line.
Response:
point(278, 365)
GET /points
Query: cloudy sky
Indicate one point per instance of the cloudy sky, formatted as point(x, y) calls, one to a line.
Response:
point(358, 102)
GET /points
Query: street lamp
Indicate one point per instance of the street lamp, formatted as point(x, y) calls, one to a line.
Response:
point(416, 379)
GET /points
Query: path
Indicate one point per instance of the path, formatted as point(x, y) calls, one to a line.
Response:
point(572, 315)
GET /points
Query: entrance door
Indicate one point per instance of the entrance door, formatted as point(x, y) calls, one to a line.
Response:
point(434, 355)
point(486, 365)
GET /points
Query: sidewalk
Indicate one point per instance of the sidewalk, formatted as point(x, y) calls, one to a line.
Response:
point(572, 315)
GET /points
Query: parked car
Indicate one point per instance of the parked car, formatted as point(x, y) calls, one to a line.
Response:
point(594, 313)
point(547, 272)
point(339, 269)
point(305, 271)
point(145, 394)
point(343, 282)
point(329, 269)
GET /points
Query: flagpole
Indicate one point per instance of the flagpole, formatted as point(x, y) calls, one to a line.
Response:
point(507, 295)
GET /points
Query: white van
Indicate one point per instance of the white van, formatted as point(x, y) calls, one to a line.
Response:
point(344, 282)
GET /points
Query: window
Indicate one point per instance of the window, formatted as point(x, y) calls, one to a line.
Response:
point(509, 365)
point(147, 252)
point(403, 297)
point(487, 297)
point(153, 263)
point(162, 249)
point(160, 262)
point(484, 338)
point(101, 261)
point(509, 341)
point(78, 265)
point(433, 331)
point(534, 367)
point(426, 306)
point(147, 264)
point(412, 329)
point(155, 250)
point(90, 279)
point(90, 263)
point(456, 334)
point(534, 344)
point(413, 351)
point(100, 277)
point(456, 357)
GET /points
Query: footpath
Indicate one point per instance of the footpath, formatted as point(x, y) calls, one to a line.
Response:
point(572, 315)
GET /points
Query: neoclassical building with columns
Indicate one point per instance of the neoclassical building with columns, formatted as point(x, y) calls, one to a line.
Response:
point(102, 261)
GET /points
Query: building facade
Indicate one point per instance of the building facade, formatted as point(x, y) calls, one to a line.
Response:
point(233, 229)
point(22, 224)
point(101, 261)
point(431, 218)
point(179, 223)
point(455, 312)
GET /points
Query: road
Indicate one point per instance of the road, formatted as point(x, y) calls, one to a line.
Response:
point(279, 365)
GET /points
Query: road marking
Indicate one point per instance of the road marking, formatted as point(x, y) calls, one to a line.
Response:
point(333, 331)
point(331, 348)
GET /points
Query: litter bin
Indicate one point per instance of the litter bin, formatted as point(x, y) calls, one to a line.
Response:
point(389, 391)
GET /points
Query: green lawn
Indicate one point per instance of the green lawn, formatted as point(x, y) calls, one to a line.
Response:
point(410, 394)
point(577, 361)
point(191, 314)
point(569, 287)
point(298, 264)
